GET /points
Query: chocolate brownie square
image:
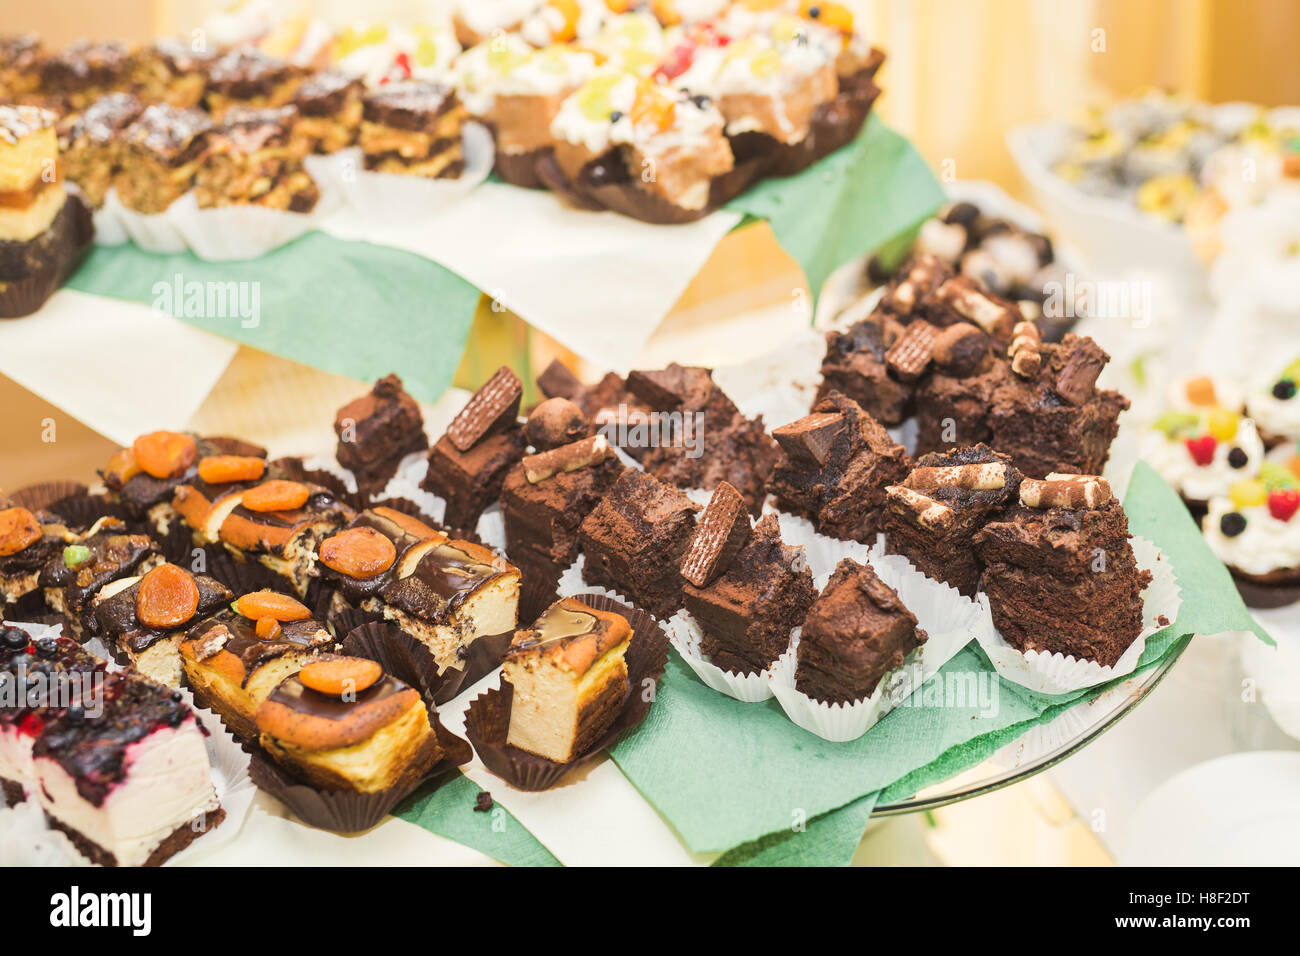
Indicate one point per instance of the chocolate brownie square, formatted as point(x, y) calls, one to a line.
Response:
point(931, 518)
point(855, 366)
point(634, 540)
point(836, 465)
point(856, 632)
point(747, 613)
point(378, 430)
point(1059, 572)
point(952, 410)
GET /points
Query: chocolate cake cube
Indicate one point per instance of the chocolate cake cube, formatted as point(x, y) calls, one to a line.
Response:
point(378, 430)
point(952, 410)
point(856, 632)
point(844, 496)
point(931, 517)
point(635, 538)
point(747, 614)
point(855, 366)
point(1062, 578)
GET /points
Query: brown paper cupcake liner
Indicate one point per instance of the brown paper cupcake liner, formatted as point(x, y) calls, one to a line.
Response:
point(1277, 589)
point(25, 295)
point(520, 169)
point(539, 587)
point(487, 721)
point(46, 495)
point(346, 811)
point(242, 577)
point(177, 544)
point(399, 652)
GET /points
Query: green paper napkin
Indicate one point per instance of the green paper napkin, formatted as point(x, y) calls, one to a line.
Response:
point(449, 812)
point(829, 840)
point(351, 308)
point(848, 204)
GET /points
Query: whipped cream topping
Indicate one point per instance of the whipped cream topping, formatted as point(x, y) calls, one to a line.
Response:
point(483, 75)
point(1265, 545)
point(1227, 394)
point(1170, 457)
point(485, 16)
point(1276, 416)
point(574, 126)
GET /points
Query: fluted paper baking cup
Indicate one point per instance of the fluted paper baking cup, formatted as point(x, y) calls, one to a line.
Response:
point(823, 553)
point(1060, 674)
point(572, 583)
point(684, 634)
point(406, 484)
point(238, 232)
point(393, 197)
point(153, 232)
point(109, 229)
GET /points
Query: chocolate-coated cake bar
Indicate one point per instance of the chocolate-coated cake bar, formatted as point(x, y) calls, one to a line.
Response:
point(329, 111)
point(159, 156)
point(107, 552)
point(252, 158)
point(378, 430)
point(413, 128)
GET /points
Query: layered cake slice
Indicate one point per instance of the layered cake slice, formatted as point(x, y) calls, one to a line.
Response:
point(236, 657)
point(35, 216)
point(568, 675)
point(173, 71)
point(88, 143)
point(448, 594)
point(468, 464)
point(837, 463)
point(931, 517)
point(329, 111)
point(341, 723)
point(253, 159)
point(378, 430)
point(1059, 572)
point(746, 588)
point(413, 128)
point(548, 495)
point(83, 71)
point(246, 76)
point(20, 64)
point(40, 679)
point(280, 524)
point(28, 540)
point(856, 632)
point(359, 561)
point(107, 552)
point(130, 785)
point(144, 618)
point(159, 154)
point(635, 538)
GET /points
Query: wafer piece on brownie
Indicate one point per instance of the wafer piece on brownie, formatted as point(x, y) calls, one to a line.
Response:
point(413, 128)
point(144, 618)
point(83, 71)
point(129, 783)
point(856, 632)
point(246, 76)
point(932, 516)
point(1059, 572)
point(88, 143)
point(341, 723)
point(235, 658)
point(634, 540)
point(252, 159)
point(173, 71)
point(280, 524)
point(468, 464)
point(378, 430)
point(62, 676)
point(28, 539)
point(107, 552)
point(329, 111)
point(448, 594)
point(837, 463)
point(359, 561)
point(746, 588)
point(568, 674)
point(159, 155)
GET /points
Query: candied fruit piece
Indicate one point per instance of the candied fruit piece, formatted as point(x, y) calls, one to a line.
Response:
point(340, 676)
point(167, 597)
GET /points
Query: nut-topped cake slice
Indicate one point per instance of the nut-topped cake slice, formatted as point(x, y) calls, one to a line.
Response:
point(252, 159)
point(173, 71)
point(568, 673)
point(88, 143)
point(413, 128)
point(159, 154)
point(245, 76)
point(329, 111)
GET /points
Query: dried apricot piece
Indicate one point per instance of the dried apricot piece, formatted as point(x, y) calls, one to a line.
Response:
point(165, 454)
point(122, 467)
point(358, 553)
point(268, 628)
point(223, 469)
point(259, 604)
point(18, 529)
point(167, 597)
point(276, 495)
point(341, 675)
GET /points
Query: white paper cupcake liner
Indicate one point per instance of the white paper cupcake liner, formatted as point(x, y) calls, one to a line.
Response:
point(1054, 674)
point(232, 233)
point(823, 553)
point(571, 582)
point(684, 634)
point(491, 528)
point(153, 232)
point(393, 197)
point(109, 230)
point(406, 484)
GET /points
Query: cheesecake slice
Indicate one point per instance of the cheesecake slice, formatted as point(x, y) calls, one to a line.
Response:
point(569, 676)
point(104, 554)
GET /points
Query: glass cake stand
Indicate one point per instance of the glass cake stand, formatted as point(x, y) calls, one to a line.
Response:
point(1042, 747)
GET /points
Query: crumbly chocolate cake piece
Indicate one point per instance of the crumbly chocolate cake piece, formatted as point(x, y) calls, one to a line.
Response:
point(747, 613)
point(741, 453)
point(378, 430)
point(251, 159)
point(856, 632)
point(413, 128)
point(836, 465)
point(932, 516)
point(952, 408)
point(1059, 572)
point(159, 154)
point(634, 540)
point(855, 366)
point(1057, 419)
point(28, 539)
point(88, 143)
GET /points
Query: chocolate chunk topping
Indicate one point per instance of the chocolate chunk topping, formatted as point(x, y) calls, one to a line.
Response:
point(555, 422)
point(808, 441)
point(1078, 376)
point(660, 389)
point(720, 534)
point(492, 408)
point(558, 382)
point(960, 349)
